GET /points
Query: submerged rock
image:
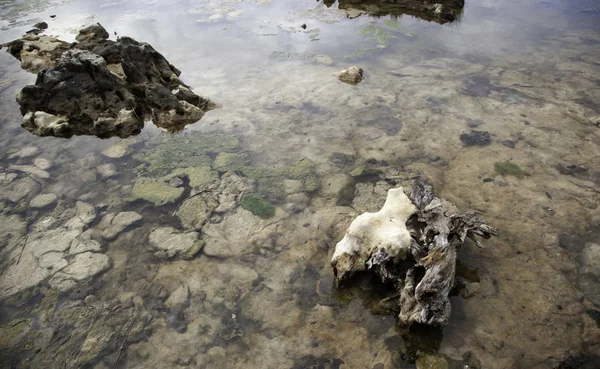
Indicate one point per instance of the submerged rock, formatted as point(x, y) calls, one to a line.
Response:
point(43, 201)
point(114, 86)
point(170, 243)
point(113, 224)
point(155, 191)
point(419, 260)
point(351, 76)
point(371, 233)
point(476, 138)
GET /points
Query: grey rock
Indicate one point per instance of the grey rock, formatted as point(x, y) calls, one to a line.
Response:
point(42, 163)
point(19, 189)
point(170, 242)
point(30, 169)
point(476, 138)
point(351, 76)
point(83, 266)
point(106, 171)
point(195, 211)
point(113, 224)
point(26, 152)
point(43, 201)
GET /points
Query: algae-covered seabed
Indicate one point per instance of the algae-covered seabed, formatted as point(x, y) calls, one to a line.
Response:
point(81, 287)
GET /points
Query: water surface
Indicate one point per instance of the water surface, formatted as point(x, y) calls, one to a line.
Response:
point(260, 294)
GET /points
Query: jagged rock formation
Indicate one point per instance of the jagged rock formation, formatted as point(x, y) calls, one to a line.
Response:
point(440, 11)
point(101, 87)
point(411, 243)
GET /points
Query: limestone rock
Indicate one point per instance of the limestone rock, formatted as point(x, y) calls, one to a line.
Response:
point(19, 189)
point(232, 236)
point(195, 211)
point(179, 298)
point(107, 171)
point(83, 266)
point(589, 272)
point(25, 152)
point(113, 224)
point(114, 86)
point(42, 163)
point(372, 233)
point(420, 261)
point(43, 201)
point(115, 151)
point(351, 76)
point(30, 169)
point(155, 191)
point(171, 242)
point(428, 361)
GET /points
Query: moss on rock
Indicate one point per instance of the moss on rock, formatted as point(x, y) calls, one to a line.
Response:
point(508, 169)
point(227, 161)
point(155, 191)
point(11, 333)
point(257, 206)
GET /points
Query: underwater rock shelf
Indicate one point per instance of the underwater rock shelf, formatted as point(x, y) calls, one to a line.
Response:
point(101, 87)
point(411, 243)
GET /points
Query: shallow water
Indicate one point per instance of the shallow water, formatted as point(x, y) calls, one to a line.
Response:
point(260, 294)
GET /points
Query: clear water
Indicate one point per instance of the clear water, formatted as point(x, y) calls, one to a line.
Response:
point(526, 71)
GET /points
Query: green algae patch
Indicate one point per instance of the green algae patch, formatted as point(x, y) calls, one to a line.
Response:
point(228, 161)
point(198, 176)
point(508, 169)
point(169, 152)
point(13, 331)
point(304, 170)
point(155, 191)
point(257, 206)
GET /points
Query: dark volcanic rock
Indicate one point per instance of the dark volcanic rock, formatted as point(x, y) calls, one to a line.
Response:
point(94, 101)
point(101, 87)
point(476, 138)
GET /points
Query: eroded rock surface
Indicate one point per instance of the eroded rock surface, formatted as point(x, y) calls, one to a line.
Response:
point(420, 261)
point(113, 87)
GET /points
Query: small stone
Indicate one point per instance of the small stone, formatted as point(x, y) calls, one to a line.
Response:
point(476, 138)
point(428, 361)
point(195, 211)
point(79, 246)
point(107, 171)
point(115, 151)
point(178, 298)
point(41, 25)
point(83, 266)
point(508, 143)
point(351, 76)
point(175, 182)
point(174, 243)
point(90, 299)
point(25, 152)
point(43, 201)
point(42, 163)
point(113, 224)
point(155, 191)
point(470, 289)
point(30, 169)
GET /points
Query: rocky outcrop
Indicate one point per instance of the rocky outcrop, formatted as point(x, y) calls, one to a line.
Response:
point(440, 11)
point(101, 87)
point(411, 243)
